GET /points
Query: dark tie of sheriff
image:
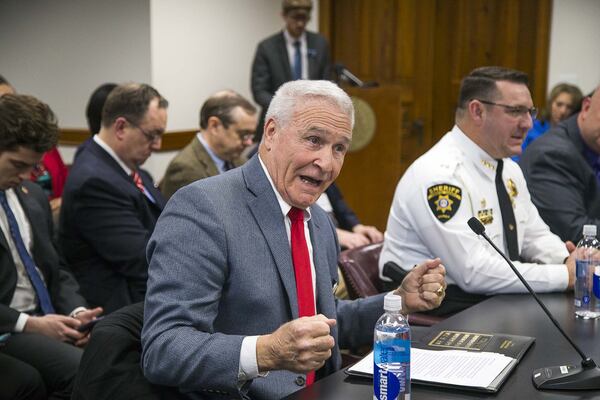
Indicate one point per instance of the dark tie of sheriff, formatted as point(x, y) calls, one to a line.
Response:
point(508, 215)
point(302, 271)
point(38, 284)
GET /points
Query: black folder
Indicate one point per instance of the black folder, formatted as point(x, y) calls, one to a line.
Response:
point(513, 346)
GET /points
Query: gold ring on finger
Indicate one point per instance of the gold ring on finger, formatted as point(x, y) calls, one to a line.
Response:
point(440, 291)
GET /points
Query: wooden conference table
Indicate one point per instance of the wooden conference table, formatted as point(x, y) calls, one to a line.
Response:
point(511, 314)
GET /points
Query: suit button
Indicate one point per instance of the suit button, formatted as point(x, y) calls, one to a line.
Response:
point(300, 380)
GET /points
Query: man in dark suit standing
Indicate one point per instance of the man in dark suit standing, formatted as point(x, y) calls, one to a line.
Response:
point(291, 54)
point(110, 205)
point(227, 126)
point(562, 169)
point(40, 307)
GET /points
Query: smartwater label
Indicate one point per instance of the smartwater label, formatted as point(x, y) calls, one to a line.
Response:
point(391, 370)
point(387, 384)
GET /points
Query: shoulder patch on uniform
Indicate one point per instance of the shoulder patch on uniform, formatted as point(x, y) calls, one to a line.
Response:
point(444, 200)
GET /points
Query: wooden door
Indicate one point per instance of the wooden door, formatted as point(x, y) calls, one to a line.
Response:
point(418, 51)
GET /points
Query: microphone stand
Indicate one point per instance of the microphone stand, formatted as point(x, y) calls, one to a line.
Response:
point(564, 377)
point(344, 74)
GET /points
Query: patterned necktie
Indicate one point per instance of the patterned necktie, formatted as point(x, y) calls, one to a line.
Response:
point(34, 275)
point(137, 179)
point(297, 61)
point(302, 270)
point(508, 215)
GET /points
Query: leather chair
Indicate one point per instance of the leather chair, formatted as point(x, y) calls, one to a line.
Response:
point(360, 269)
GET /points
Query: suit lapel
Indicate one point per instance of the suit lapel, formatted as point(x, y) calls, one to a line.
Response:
point(159, 201)
point(21, 192)
point(102, 155)
point(311, 56)
point(3, 241)
point(34, 215)
point(203, 158)
point(267, 213)
point(323, 277)
point(285, 58)
point(112, 163)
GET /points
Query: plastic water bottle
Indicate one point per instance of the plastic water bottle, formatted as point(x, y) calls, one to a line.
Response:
point(391, 353)
point(587, 275)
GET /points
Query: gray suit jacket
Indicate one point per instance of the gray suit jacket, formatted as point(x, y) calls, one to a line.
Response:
point(191, 164)
point(220, 270)
point(562, 183)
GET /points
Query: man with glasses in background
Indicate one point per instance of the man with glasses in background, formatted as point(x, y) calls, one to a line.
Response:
point(469, 173)
point(227, 126)
point(110, 205)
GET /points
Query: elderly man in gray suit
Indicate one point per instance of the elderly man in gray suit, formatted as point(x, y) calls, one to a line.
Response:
point(242, 265)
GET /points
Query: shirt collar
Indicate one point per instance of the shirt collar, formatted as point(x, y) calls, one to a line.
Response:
point(290, 40)
point(219, 162)
point(475, 154)
point(112, 153)
point(285, 207)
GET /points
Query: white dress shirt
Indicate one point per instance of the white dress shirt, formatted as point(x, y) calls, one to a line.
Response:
point(248, 364)
point(291, 50)
point(414, 233)
point(220, 163)
point(24, 298)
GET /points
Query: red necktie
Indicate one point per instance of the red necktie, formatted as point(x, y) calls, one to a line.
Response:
point(302, 270)
point(137, 179)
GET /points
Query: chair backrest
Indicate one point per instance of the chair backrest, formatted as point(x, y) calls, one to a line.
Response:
point(360, 269)
point(110, 365)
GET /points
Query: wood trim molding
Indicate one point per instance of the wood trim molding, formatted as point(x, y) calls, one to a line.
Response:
point(172, 141)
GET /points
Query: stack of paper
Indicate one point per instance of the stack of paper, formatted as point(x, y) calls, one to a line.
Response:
point(450, 367)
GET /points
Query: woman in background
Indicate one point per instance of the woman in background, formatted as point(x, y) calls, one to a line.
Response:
point(564, 101)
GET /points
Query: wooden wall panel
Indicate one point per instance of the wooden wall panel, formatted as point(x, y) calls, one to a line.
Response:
point(423, 48)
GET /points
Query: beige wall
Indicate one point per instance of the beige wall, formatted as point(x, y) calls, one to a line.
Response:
point(575, 44)
point(60, 50)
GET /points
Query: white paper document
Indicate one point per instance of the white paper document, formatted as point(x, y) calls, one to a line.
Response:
point(452, 367)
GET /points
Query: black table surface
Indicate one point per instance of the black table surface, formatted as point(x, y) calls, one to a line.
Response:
point(511, 314)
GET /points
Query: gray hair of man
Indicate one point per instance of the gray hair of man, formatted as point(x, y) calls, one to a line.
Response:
point(292, 93)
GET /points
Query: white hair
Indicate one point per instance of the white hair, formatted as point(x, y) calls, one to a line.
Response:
point(291, 93)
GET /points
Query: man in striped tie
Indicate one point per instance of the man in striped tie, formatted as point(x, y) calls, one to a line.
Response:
point(110, 204)
point(40, 307)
